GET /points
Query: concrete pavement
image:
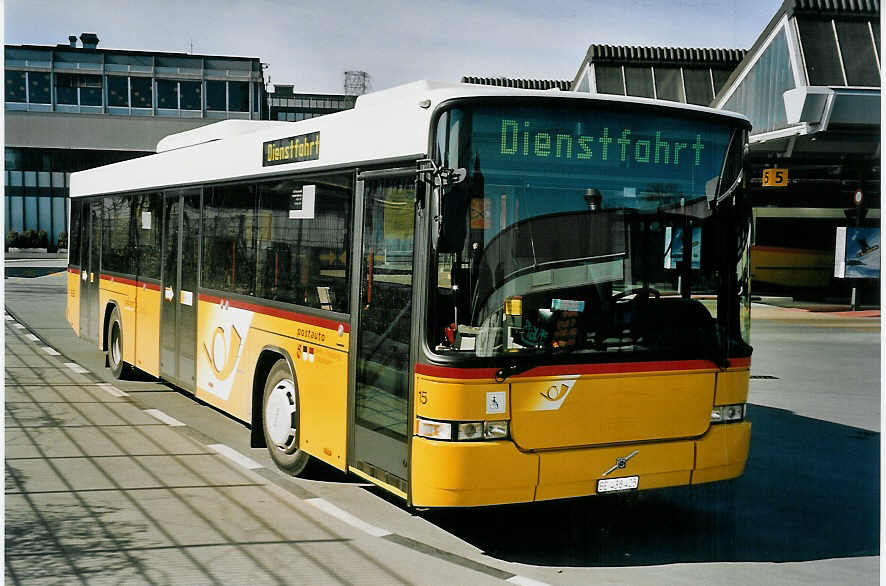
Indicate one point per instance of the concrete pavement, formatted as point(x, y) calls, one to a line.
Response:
point(113, 494)
point(101, 491)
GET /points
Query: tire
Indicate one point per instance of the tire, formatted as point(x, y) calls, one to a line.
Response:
point(119, 369)
point(280, 420)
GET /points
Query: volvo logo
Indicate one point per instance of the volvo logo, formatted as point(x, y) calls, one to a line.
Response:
point(621, 463)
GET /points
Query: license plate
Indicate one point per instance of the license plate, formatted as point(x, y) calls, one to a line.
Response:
point(617, 484)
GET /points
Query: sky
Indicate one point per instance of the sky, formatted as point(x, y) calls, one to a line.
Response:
point(312, 44)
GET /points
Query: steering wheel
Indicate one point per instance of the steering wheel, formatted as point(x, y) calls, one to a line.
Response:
point(645, 291)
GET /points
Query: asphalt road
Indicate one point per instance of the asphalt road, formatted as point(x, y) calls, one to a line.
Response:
point(99, 491)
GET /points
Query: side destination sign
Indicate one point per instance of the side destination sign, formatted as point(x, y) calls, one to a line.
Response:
point(304, 147)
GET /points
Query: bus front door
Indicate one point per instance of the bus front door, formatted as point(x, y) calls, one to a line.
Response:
point(90, 275)
point(383, 365)
point(178, 314)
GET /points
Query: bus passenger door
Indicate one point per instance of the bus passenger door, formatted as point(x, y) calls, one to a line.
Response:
point(384, 317)
point(178, 314)
point(90, 249)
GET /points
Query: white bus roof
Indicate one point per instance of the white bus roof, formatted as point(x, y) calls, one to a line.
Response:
point(383, 126)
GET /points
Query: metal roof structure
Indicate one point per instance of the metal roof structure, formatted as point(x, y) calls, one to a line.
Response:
point(525, 84)
point(680, 74)
point(622, 54)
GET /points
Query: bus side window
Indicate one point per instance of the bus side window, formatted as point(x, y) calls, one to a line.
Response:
point(302, 258)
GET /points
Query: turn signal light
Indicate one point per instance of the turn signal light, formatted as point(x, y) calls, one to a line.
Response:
point(729, 413)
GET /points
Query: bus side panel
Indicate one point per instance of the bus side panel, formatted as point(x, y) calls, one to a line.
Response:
point(72, 308)
point(147, 328)
point(229, 344)
point(121, 292)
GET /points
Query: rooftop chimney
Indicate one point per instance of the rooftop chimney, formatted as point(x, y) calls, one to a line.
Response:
point(72, 40)
point(89, 40)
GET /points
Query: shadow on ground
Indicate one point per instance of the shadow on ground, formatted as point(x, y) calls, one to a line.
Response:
point(810, 491)
point(49, 543)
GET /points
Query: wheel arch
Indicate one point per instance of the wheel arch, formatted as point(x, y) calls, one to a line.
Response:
point(268, 356)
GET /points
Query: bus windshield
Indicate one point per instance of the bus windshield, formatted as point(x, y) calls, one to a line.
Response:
point(596, 229)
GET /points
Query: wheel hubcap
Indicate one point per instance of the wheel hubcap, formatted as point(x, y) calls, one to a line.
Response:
point(280, 413)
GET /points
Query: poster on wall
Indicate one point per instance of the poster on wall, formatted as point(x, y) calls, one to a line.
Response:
point(857, 253)
point(674, 247)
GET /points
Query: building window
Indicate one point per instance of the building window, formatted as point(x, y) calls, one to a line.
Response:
point(669, 84)
point(760, 95)
point(191, 95)
point(142, 93)
point(90, 90)
point(698, 86)
point(639, 81)
point(215, 96)
point(609, 80)
point(16, 86)
point(39, 88)
point(118, 91)
point(857, 48)
point(238, 96)
point(167, 94)
point(820, 52)
point(720, 78)
point(66, 88)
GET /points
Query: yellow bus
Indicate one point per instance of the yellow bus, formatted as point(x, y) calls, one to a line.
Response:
point(466, 295)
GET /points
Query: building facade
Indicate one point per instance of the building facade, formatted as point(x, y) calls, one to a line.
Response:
point(285, 104)
point(811, 87)
point(72, 107)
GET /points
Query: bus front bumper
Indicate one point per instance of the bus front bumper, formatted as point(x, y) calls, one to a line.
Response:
point(452, 474)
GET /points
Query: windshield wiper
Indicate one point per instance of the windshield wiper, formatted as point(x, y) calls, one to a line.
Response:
point(529, 362)
point(514, 368)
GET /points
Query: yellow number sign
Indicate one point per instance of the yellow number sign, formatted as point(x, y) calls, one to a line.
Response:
point(775, 177)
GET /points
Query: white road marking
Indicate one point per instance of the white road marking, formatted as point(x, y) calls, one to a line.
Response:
point(157, 414)
point(18, 326)
point(51, 351)
point(109, 388)
point(346, 517)
point(32, 338)
point(9, 317)
point(524, 581)
point(235, 456)
point(76, 367)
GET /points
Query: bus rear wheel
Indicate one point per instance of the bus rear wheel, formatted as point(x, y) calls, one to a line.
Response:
point(280, 420)
point(119, 368)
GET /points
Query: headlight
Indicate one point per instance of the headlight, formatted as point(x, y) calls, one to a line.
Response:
point(729, 413)
point(464, 431)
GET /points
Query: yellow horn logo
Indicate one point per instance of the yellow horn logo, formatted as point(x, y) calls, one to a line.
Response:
point(223, 362)
point(555, 392)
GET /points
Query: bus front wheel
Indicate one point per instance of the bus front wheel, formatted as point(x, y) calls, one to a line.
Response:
point(280, 420)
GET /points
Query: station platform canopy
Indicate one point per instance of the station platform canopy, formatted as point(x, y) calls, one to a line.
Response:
point(811, 81)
